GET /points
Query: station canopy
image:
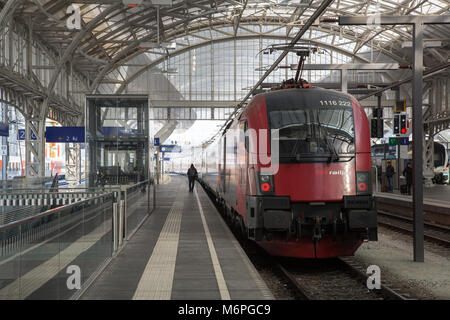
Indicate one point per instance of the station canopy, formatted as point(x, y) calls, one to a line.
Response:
point(213, 50)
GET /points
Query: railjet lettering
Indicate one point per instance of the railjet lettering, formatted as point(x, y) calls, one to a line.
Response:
point(336, 172)
point(189, 310)
point(330, 172)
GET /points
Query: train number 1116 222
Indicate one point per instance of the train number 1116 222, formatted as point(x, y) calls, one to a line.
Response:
point(335, 103)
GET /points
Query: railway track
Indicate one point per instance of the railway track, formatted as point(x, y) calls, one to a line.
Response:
point(432, 232)
point(331, 279)
point(335, 279)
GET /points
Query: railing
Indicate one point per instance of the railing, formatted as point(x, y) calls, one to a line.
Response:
point(9, 214)
point(29, 183)
point(42, 198)
point(51, 255)
point(37, 252)
point(137, 204)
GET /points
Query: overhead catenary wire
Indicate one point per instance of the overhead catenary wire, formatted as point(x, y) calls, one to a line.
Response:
point(297, 37)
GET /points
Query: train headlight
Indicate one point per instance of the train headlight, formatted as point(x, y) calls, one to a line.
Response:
point(265, 178)
point(362, 182)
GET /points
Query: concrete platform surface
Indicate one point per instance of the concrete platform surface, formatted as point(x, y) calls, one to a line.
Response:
point(184, 250)
point(441, 193)
point(393, 253)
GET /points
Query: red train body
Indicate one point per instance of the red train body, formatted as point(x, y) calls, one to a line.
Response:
point(311, 198)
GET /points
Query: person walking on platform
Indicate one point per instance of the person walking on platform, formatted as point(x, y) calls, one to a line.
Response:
point(390, 176)
point(192, 175)
point(407, 172)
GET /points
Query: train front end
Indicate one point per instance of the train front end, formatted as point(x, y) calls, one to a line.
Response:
point(316, 202)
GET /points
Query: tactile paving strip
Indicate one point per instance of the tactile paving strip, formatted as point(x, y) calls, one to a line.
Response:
point(157, 278)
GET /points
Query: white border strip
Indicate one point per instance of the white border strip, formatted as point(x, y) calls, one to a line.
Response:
point(262, 286)
point(224, 293)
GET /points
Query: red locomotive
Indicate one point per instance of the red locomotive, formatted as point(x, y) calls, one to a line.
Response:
point(292, 170)
point(317, 202)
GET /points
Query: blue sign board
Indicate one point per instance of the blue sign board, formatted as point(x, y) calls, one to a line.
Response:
point(169, 148)
point(166, 159)
point(64, 134)
point(404, 141)
point(4, 129)
point(156, 143)
point(21, 135)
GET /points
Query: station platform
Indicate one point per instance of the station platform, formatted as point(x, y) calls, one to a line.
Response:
point(436, 192)
point(436, 204)
point(393, 253)
point(183, 250)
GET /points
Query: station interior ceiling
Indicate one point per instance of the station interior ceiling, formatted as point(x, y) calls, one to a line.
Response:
point(197, 59)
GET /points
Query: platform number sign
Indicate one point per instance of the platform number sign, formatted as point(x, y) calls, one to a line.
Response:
point(65, 134)
point(404, 141)
point(21, 135)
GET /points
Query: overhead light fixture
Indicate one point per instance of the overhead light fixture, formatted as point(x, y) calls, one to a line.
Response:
point(295, 4)
point(170, 71)
point(147, 3)
point(426, 44)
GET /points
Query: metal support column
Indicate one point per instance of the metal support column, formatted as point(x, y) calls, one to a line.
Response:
point(417, 141)
point(5, 143)
point(158, 170)
point(418, 27)
point(344, 80)
point(73, 166)
point(34, 149)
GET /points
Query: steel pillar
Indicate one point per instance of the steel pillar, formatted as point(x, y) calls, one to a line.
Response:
point(417, 140)
point(73, 165)
point(418, 23)
point(34, 149)
point(5, 143)
point(344, 80)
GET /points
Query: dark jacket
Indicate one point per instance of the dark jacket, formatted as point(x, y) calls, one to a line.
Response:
point(192, 173)
point(390, 171)
point(408, 175)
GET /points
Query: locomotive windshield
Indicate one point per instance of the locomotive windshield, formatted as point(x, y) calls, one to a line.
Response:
point(314, 130)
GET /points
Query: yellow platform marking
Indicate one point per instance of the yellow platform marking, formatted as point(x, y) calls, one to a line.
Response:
point(157, 279)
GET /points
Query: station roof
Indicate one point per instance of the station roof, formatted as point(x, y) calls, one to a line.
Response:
point(114, 32)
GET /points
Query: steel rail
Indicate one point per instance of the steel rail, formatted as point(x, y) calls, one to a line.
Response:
point(428, 235)
point(385, 291)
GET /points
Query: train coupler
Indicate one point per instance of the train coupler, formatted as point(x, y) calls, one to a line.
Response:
point(345, 234)
point(334, 229)
point(299, 230)
point(317, 231)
